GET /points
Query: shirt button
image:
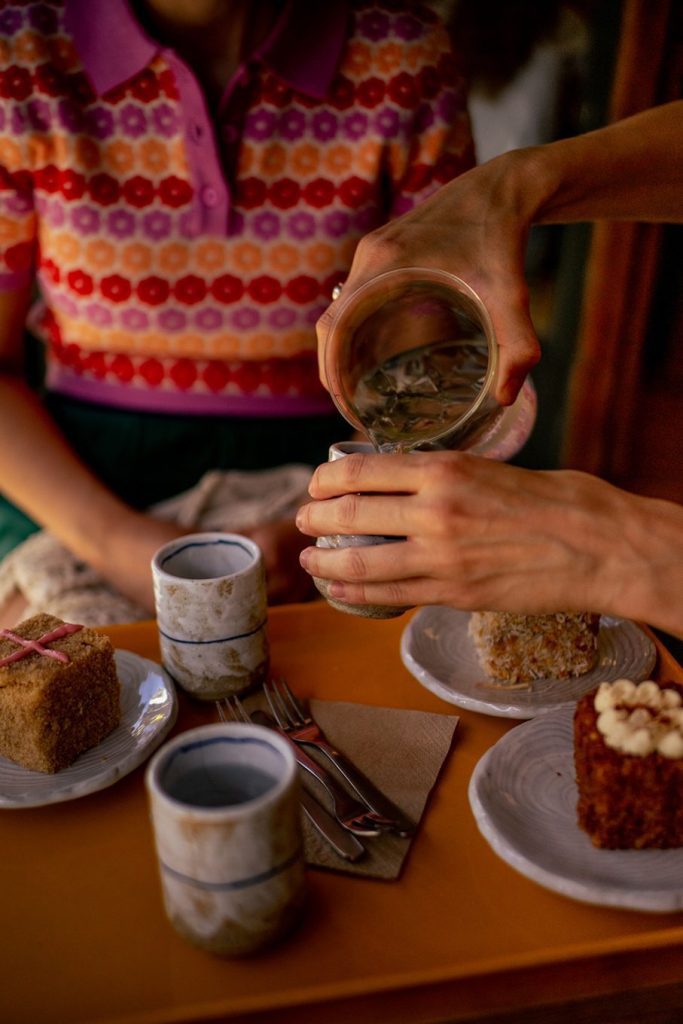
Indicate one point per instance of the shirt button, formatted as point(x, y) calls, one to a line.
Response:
point(209, 196)
point(196, 132)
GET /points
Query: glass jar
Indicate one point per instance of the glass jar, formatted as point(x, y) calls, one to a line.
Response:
point(411, 360)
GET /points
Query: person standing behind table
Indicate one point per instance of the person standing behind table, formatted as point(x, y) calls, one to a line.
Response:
point(481, 534)
point(186, 183)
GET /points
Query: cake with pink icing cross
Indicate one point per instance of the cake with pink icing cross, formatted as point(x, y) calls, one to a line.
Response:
point(59, 692)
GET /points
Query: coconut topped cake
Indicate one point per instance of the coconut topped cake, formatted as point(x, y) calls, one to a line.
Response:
point(59, 692)
point(628, 754)
point(516, 649)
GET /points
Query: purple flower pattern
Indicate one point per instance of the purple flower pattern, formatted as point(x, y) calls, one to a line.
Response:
point(266, 225)
point(327, 211)
point(355, 126)
point(132, 120)
point(121, 223)
point(99, 315)
point(134, 320)
point(260, 124)
point(301, 225)
point(165, 120)
point(85, 220)
point(172, 320)
point(156, 225)
point(245, 319)
point(281, 318)
point(292, 124)
point(99, 121)
point(11, 21)
point(336, 224)
point(208, 319)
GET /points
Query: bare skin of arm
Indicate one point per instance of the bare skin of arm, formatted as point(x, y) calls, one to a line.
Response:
point(483, 534)
point(476, 227)
point(43, 476)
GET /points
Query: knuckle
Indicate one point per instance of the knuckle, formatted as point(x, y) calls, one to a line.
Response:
point(353, 564)
point(347, 511)
point(352, 468)
point(381, 247)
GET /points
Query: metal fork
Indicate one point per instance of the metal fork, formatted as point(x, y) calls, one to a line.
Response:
point(351, 819)
point(297, 722)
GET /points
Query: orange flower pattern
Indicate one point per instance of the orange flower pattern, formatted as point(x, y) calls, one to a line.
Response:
point(182, 263)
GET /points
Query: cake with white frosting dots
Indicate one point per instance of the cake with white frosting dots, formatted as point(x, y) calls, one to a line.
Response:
point(628, 754)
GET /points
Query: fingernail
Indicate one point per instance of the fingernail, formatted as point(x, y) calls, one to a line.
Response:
point(299, 518)
point(335, 588)
point(305, 558)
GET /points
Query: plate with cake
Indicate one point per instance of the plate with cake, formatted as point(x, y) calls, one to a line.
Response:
point(520, 666)
point(76, 715)
point(588, 800)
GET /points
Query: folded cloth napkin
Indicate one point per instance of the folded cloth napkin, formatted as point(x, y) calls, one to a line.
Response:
point(401, 751)
point(51, 579)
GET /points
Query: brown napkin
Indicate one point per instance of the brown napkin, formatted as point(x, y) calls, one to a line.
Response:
point(401, 752)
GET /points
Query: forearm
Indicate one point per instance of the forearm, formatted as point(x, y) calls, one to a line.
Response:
point(648, 573)
point(630, 170)
point(41, 474)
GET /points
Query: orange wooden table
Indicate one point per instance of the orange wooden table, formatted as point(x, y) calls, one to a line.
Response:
point(460, 937)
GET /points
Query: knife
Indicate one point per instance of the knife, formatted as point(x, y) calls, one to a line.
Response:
point(343, 842)
point(350, 812)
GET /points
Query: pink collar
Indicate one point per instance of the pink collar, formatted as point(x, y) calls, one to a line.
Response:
point(304, 48)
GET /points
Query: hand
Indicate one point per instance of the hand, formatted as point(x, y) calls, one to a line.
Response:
point(281, 545)
point(475, 227)
point(485, 535)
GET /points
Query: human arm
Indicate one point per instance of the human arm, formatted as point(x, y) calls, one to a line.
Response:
point(477, 226)
point(43, 476)
point(486, 535)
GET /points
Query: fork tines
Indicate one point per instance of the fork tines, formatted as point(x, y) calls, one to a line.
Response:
point(285, 708)
point(231, 709)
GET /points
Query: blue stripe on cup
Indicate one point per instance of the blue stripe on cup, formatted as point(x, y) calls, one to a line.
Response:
point(239, 883)
point(206, 544)
point(219, 640)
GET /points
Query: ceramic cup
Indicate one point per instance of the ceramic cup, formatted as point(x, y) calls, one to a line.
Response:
point(224, 803)
point(346, 540)
point(210, 597)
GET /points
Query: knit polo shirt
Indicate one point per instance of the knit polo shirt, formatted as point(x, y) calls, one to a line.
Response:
point(183, 259)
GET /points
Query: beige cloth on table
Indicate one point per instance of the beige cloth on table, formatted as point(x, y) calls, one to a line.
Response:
point(52, 580)
point(401, 751)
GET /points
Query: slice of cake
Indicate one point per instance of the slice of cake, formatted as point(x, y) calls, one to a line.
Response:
point(59, 692)
point(628, 753)
point(520, 648)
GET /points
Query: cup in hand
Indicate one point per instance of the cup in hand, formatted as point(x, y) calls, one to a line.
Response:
point(211, 607)
point(346, 540)
point(227, 828)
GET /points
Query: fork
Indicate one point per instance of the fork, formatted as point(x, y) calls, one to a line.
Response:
point(299, 725)
point(350, 814)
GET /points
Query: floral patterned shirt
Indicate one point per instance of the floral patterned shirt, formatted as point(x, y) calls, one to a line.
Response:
point(182, 259)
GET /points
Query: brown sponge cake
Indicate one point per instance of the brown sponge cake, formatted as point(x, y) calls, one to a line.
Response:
point(520, 648)
point(628, 754)
point(59, 692)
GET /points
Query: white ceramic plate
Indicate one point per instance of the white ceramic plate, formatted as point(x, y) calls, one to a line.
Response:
point(148, 711)
point(437, 649)
point(523, 795)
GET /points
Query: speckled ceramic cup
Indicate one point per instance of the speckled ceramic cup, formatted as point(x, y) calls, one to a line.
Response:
point(210, 597)
point(224, 803)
